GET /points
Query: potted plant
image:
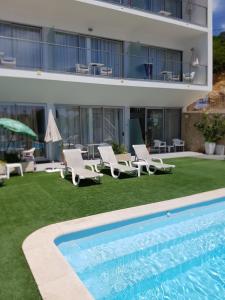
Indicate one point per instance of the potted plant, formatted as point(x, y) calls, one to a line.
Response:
point(121, 152)
point(212, 128)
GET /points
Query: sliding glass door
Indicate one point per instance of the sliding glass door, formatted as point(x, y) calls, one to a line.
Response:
point(109, 53)
point(113, 125)
point(155, 125)
point(89, 125)
point(149, 124)
point(68, 121)
point(172, 124)
point(70, 49)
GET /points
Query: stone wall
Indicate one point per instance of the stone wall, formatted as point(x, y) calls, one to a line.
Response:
point(192, 137)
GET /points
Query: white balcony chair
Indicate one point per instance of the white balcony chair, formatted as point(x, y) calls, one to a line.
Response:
point(151, 163)
point(189, 76)
point(106, 71)
point(82, 69)
point(173, 77)
point(109, 160)
point(158, 145)
point(77, 167)
point(9, 62)
point(178, 143)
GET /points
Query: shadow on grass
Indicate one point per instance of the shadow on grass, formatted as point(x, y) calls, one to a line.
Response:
point(84, 182)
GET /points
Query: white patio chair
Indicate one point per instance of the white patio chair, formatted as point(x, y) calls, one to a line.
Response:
point(77, 167)
point(159, 145)
point(178, 143)
point(109, 160)
point(28, 155)
point(82, 69)
point(189, 76)
point(154, 163)
point(106, 71)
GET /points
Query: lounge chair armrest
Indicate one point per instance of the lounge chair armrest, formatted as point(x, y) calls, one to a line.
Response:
point(144, 160)
point(157, 159)
point(90, 167)
point(124, 162)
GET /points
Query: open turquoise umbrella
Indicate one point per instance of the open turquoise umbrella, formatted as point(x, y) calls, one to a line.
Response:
point(17, 127)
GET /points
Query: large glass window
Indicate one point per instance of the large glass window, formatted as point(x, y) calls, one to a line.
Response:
point(21, 43)
point(69, 50)
point(31, 115)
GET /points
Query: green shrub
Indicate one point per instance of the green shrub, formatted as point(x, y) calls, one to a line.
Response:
point(212, 127)
point(119, 149)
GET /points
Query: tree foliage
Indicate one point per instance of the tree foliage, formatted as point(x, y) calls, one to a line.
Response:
point(212, 127)
point(219, 53)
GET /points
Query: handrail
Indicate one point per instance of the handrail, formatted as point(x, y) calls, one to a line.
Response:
point(190, 4)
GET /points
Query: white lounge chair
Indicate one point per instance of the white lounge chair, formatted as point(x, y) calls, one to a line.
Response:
point(109, 160)
point(3, 174)
point(154, 163)
point(76, 166)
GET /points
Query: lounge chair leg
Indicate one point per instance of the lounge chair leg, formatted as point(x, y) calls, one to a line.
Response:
point(151, 172)
point(113, 173)
point(63, 173)
point(75, 182)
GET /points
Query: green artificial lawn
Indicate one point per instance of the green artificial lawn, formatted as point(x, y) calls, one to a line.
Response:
point(36, 200)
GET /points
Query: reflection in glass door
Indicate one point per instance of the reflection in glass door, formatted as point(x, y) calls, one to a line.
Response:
point(155, 125)
point(137, 126)
point(172, 124)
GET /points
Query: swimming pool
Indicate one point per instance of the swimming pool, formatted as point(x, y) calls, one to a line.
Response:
point(174, 255)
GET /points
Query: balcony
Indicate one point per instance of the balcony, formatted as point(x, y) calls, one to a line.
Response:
point(187, 10)
point(56, 58)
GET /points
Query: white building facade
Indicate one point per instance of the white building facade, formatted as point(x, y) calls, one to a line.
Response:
point(111, 70)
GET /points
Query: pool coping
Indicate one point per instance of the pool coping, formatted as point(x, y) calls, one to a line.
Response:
point(54, 276)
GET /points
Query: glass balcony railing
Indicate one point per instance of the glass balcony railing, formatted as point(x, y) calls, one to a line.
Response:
point(41, 56)
point(184, 10)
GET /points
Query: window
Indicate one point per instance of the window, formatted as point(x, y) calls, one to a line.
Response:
point(23, 43)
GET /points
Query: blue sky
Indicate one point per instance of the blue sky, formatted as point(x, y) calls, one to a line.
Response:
point(219, 16)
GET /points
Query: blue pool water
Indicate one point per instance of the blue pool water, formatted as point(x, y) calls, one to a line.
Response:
point(167, 256)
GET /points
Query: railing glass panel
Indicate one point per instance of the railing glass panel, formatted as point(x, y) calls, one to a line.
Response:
point(149, 64)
